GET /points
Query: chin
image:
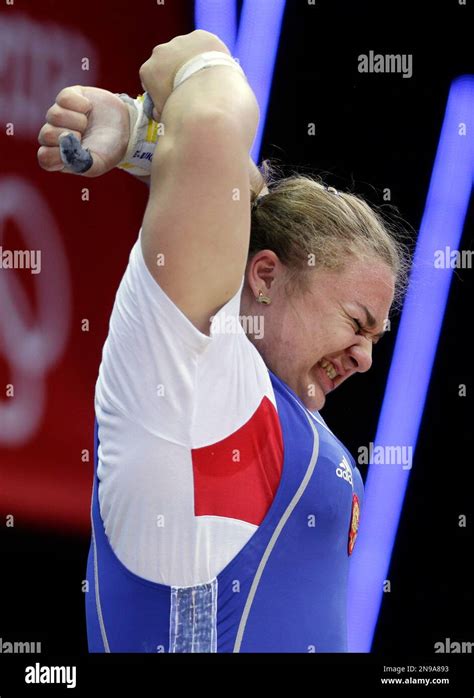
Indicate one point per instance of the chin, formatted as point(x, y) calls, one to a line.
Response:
point(315, 403)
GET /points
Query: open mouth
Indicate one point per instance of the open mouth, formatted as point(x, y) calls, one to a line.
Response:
point(329, 369)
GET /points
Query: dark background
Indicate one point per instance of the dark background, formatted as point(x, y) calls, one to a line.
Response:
point(372, 132)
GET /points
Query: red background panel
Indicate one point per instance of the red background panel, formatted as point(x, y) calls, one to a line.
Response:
point(48, 422)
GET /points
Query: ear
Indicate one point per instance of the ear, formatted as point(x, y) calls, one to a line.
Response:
point(262, 270)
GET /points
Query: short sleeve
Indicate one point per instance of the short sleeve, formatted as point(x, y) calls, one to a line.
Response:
point(153, 354)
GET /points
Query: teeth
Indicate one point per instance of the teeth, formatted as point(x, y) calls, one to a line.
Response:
point(329, 368)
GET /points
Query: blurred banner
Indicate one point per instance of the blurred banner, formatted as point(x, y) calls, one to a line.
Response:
point(64, 244)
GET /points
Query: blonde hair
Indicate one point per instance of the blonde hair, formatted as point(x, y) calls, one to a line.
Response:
point(308, 226)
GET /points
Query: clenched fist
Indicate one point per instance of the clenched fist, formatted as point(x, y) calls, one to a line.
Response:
point(98, 118)
point(158, 72)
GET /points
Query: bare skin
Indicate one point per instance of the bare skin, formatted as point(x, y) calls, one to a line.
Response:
point(300, 330)
point(322, 324)
point(99, 119)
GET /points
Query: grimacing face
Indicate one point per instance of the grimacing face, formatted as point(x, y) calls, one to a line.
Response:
point(314, 341)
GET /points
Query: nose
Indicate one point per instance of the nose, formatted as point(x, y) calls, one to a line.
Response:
point(360, 355)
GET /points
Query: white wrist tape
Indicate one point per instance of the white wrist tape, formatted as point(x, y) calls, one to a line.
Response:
point(144, 131)
point(143, 138)
point(204, 60)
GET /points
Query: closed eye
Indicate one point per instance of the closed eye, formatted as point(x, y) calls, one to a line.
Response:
point(359, 329)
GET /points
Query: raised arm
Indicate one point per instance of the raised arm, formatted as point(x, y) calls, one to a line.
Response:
point(196, 226)
point(100, 121)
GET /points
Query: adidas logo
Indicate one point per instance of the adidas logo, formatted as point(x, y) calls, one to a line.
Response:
point(344, 470)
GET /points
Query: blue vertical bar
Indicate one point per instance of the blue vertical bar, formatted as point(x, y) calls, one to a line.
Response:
point(218, 17)
point(255, 46)
point(412, 363)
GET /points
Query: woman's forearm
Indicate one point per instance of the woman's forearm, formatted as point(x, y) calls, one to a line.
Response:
point(218, 89)
point(221, 100)
point(256, 181)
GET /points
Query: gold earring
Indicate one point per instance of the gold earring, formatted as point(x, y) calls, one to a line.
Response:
point(263, 299)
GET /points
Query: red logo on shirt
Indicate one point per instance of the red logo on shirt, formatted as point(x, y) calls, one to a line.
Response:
point(355, 515)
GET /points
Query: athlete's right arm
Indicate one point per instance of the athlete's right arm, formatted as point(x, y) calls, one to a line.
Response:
point(197, 221)
point(100, 121)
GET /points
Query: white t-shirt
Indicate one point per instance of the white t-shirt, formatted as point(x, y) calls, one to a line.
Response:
point(190, 452)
